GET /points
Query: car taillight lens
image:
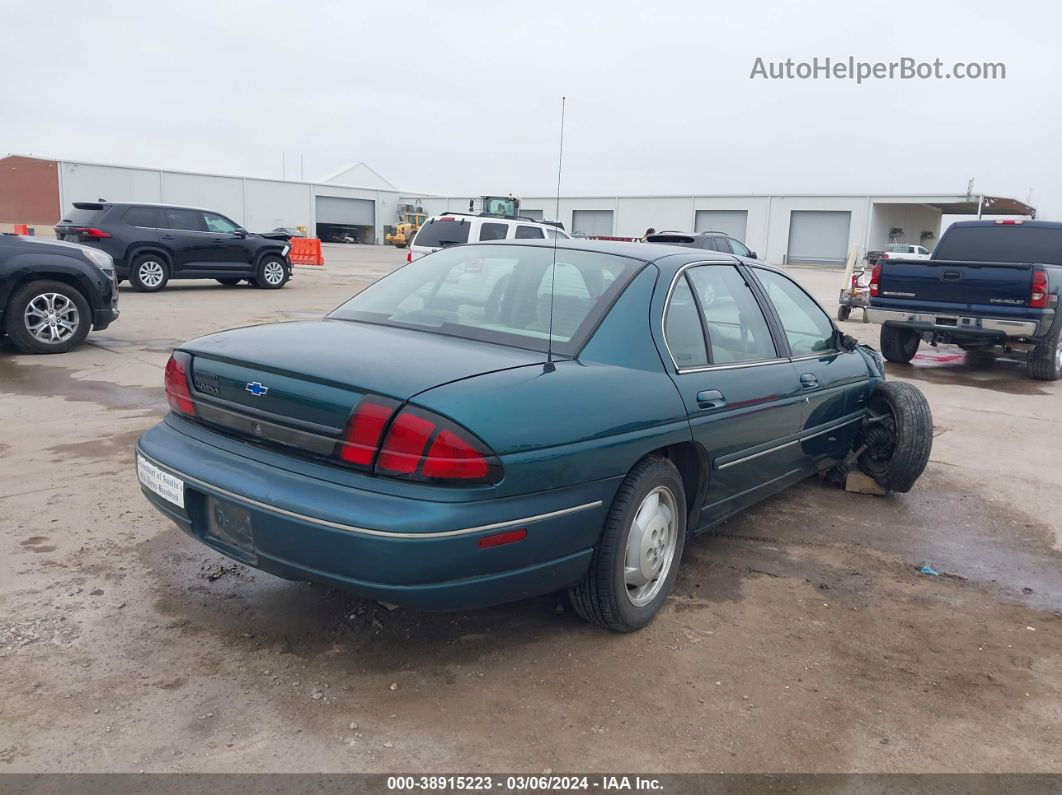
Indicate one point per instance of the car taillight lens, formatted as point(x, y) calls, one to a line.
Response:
point(414, 444)
point(421, 445)
point(1038, 293)
point(875, 280)
point(177, 391)
point(409, 255)
point(361, 439)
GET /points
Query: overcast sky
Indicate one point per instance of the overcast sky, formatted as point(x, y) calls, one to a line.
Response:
point(464, 98)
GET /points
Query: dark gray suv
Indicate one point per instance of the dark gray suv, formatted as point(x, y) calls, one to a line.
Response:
point(713, 241)
point(153, 243)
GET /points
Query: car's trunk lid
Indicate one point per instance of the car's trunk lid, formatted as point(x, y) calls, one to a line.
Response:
point(261, 381)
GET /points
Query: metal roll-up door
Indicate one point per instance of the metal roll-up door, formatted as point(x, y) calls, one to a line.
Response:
point(347, 212)
point(819, 236)
point(732, 223)
point(592, 223)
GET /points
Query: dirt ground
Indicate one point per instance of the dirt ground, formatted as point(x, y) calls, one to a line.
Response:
point(801, 637)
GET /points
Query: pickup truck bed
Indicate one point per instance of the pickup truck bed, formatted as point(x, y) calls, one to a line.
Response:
point(1004, 292)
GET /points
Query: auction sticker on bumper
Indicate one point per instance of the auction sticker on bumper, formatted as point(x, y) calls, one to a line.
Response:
point(162, 483)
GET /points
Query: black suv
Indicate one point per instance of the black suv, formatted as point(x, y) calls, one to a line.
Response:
point(153, 243)
point(52, 293)
point(713, 241)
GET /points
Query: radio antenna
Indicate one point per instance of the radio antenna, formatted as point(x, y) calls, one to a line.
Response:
point(550, 366)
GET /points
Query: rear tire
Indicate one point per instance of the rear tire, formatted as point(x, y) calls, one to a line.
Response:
point(272, 273)
point(228, 282)
point(614, 593)
point(899, 442)
point(899, 344)
point(1045, 361)
point(149, 273)
point(844, 312)
point(47, 317)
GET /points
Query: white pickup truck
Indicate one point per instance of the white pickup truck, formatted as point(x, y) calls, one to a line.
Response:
point(898, 251)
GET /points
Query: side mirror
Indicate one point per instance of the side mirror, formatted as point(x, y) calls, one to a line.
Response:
point(241, 233)
point(754, 255)
point(846, 342)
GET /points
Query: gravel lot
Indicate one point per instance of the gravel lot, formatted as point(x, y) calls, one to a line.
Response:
point(801, 637)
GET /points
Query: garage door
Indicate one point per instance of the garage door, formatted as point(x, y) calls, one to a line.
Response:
point(730, 222)
point(593, 223)
point(819, 236)
point(348, 212)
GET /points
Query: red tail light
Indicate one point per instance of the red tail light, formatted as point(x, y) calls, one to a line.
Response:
point(414, 444)
point(177, 392)
point(361, 439)
point(93, 233)
point(409, 255)
point(1038, 298)
point(875, 280)
point(421, 445)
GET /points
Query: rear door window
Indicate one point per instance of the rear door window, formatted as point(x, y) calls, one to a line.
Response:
point(142, 216)
point(489, 231)
point(683, 330)
point(187, 220)
point(529, 233)
point(442, 232)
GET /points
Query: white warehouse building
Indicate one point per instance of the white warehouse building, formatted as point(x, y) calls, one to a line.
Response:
point(780, 228)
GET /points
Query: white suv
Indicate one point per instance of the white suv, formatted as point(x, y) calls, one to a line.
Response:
point(451, 229)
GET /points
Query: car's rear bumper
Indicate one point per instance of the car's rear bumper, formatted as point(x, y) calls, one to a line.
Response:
point(413, 552)
point(957, 324)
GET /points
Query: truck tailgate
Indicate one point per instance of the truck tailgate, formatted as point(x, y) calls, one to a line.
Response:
point(954, 285)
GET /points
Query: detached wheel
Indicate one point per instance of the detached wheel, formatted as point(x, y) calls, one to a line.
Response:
point(636, 561)
point(898, 435)
point(47, 317)
point(844, 312)
point(899, 344)
point(228, 282)
point(272, 273)
point(1045, 361)
point(149, 273)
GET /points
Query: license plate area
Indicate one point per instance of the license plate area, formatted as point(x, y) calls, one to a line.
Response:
point(228, 527)
point(947, 321)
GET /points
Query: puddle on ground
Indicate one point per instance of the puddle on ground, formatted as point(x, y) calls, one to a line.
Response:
point(45, 380)
point(961, 368)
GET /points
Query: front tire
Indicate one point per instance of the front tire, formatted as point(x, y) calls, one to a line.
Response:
point(272, 273)
point(899, 344)
point(637, 557)
point(149, 273)
point(1045, 360)
point(898, 435)
point(844, 312)
point(47, 317)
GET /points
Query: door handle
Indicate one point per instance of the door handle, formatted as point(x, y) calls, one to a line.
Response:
point(167, 237)
point(809, 381)
point(711, 399)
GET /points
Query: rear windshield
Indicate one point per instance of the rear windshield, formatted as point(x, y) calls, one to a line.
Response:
point(497, 293)
point(441, 232)
point(1001, 243)
point(79, 216)
point(683, 240)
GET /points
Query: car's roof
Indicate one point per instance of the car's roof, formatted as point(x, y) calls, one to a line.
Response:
point(145, 204)
point(675, 256)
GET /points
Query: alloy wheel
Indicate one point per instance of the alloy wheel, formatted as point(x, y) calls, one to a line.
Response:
point(150, 273)
point(651, 546)
point(273, 272)
point(52, 318)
